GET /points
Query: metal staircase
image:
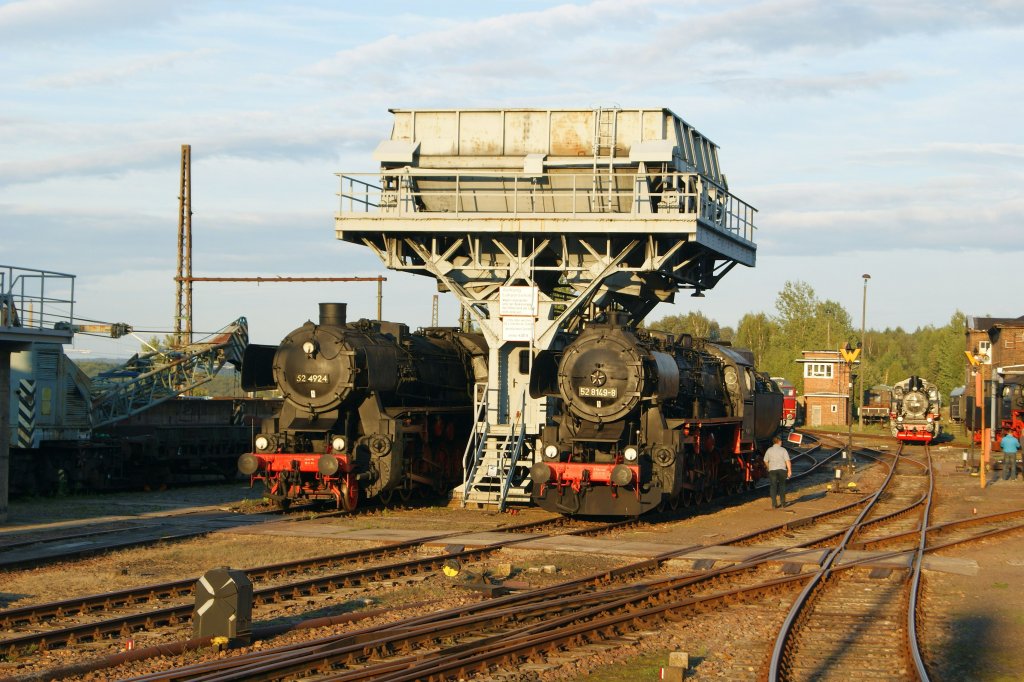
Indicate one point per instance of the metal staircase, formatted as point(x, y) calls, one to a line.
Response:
point(497, 465)
point(605, 197)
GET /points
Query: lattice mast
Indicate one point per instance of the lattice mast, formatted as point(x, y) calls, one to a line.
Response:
point(183, 280)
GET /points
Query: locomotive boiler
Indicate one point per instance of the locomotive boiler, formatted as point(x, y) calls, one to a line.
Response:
point(646, 420)
point(914, 414)
point(369, 409)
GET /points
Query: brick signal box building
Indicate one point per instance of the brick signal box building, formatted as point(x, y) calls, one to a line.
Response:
point(826, 388)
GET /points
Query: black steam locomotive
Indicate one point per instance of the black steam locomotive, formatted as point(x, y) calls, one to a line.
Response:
point(646, 420)
point(915, 412)
point(1005, 413)
point(369, 410)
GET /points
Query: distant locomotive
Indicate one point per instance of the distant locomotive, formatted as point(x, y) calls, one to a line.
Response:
point(915, 410)
point(876, 405)
point(646, 421)
point(789, 404)
point(369, 409)
point(1003, 415)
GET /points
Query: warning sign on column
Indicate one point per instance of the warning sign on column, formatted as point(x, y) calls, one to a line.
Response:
point(517, 328)
point(518, 301)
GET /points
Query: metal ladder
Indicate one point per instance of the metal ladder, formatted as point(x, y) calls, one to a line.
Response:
point(496, 463)
point(605, 198)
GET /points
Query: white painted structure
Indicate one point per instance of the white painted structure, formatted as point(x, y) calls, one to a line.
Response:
point(538, 219)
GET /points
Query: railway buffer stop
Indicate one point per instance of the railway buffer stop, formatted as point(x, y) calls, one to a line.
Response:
point(537, 220)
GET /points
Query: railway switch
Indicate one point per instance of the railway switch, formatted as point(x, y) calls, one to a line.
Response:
point(223, 605)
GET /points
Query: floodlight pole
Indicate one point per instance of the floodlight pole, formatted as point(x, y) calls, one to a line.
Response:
point(864, 352)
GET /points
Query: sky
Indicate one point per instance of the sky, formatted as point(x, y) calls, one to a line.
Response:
point(877, 136)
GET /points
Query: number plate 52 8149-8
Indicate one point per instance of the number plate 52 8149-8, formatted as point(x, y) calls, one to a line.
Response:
point(598, 392)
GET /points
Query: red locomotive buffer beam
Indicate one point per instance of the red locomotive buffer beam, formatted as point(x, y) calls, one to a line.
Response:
point(617, 481)
point(917, 433)
point(282, 474)
point(921, 435)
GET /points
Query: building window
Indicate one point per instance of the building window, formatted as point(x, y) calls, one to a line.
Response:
point(818, 370)
point(835, 408)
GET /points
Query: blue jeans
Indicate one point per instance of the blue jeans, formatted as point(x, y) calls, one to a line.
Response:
point(777, 485)
point(1009, 466)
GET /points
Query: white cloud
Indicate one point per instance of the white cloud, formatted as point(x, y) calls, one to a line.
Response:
point(49, 21)
point(122, 69)
point(858, 129)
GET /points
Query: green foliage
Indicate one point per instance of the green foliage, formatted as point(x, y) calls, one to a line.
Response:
point(693, 323)
point(803, 322)
point(94, 367)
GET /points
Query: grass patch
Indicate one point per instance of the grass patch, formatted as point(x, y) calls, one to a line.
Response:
point(1000, 586)
point(642, 667)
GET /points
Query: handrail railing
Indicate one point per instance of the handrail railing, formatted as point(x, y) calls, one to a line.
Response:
point(26, 302)
point(477, 442)
point(514, 456)
point(620, 195)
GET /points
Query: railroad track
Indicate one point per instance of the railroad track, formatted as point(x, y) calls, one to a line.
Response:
point(118, 628)
point(123, 625)
point(508, 632)
point(38, 546)
point(542, 623)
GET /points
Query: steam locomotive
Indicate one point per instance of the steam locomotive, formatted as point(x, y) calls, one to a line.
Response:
point(790, 407)
point(645, 420)
point(1005, 413)
point(369, 410)
point(914, 413)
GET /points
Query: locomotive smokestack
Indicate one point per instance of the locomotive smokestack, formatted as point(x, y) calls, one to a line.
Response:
point(618, 318)
point(333, 314)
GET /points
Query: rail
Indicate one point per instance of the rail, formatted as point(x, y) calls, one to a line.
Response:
point(446, 194)
point(35, 299)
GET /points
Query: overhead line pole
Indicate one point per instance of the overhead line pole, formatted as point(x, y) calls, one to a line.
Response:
point(183, 302)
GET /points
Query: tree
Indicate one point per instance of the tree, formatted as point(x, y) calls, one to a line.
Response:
point(694, 323)
point(756, 331)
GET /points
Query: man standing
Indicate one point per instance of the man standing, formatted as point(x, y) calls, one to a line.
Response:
point(1010, 445)
point(779, 469)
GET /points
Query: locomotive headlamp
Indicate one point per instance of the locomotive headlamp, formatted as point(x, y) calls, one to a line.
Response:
point(930, 420)
point(309, 347)
point(551, 451)
point(338, 443)
point(630, 454)
point(262, 443)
